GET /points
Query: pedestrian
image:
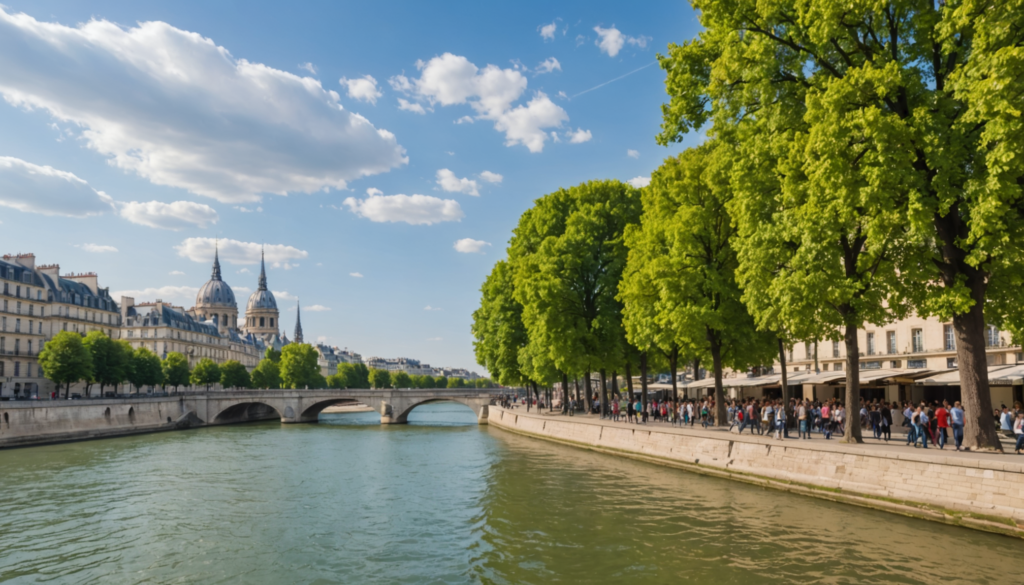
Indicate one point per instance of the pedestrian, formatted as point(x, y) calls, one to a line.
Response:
point(780, 421)
point(886, 422)
point(942, 423)
point(615, 410)
point(920, 422)
point(1018, 430)
point(803, 428)
point(826, 420)
point(956, 420)
point(875, 419)
point(1006, 422)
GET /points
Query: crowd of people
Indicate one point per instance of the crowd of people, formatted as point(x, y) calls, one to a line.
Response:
point(936, 423)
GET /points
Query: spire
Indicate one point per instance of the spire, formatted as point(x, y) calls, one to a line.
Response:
point(298, 325)
point(216, 263)
point(263, 273)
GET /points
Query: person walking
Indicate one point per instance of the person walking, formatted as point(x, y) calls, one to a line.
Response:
point(780, 420)
point(803, 428)
point(826, 420)
point(942, 423)
point(921, 426)
point(885, 416)
point(956, 420)
point(1018, 431)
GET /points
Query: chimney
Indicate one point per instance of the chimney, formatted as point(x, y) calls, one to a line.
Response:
point(126, 303)
point(26, 260)
point(89, 279)
point(51, 270)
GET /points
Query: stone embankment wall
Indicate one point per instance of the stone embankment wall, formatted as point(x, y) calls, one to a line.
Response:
point(978, 491)
point(39, 422)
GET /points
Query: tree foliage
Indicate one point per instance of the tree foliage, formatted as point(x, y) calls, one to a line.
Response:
point(65, 359)
point(109, 364)
point(299, 367)
point(176, 370)
point(205, 373)
point(267, 375)
point(146, 369)
point(356, 375)
point(380, 378)
point(401, 380)
point(234, 375)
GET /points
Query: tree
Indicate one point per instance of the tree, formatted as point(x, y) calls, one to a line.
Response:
point(66, 360)
point(317, 381)
point(126, 354)
point(380, 378)
point(234, 375)
point(205, 373)
point(440, 382)
point(401, 380)
point(146, 369)
point(267, 375)
point(108, 362)
point(356, 375)
point(272, 354)
point(336, 381)
point(899, 108)
point(568, 255)
point(176, 371)
point(299, 366)
point(483, 383)
point(456, 383)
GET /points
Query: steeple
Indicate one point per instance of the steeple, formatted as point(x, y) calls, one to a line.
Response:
point(216, 264)
point(263, 273)
point(297, 338)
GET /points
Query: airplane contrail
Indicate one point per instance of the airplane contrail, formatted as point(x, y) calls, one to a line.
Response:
point(613, 80)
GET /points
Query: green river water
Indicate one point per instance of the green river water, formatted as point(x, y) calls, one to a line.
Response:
point(440, 500)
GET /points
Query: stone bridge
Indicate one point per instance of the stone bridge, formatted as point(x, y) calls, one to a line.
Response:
point(304, 406)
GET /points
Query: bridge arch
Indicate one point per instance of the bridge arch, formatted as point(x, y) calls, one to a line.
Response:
point(312, 412)
point(401, 415)
point(246, 412)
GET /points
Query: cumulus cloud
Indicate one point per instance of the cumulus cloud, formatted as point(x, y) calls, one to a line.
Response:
point(96, 248)
point(362, 88)
point(471, 246)
point(177, 273)
point(548, 65)
point(411, 209)
point(42, 189)
point(178, 110)
point(579, 136)
point(355, 275)
point(452, 79)
point(547, 31)
point(169, 216)
point(236, 252)
point(465, 120)
point(284, 295)
point(633, 153)
point(181, 295)
point(317, 308)
point(639, 182)
point(245, 271)
point(244, 209)
point(611, 40)
point(491, 177)
point(429, 308)
point(308, 67)
point(408, 106)
point(447, 180)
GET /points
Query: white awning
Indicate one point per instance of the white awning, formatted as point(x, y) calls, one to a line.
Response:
point(997, 376)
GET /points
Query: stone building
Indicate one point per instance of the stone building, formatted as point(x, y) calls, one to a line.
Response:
point(262, 319)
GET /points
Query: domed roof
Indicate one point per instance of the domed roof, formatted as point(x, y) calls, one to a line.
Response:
point(216, 292)
point(262, 298)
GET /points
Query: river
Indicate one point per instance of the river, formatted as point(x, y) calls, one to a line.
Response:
point(440, 500)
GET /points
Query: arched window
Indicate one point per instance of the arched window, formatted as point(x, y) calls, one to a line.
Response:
point(271, 321)
point(261, 321)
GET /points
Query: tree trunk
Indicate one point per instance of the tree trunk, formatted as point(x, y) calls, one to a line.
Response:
point(615, 385)
point(576, 383)
point(604, 394)
point(643, 380)
point(696, 375)
point(784, 381)
point(589, 390)
point(979, 428)
point(852, 434)
point(673, 362)
point(629, 381)
point(565, 393)
point(716, 360)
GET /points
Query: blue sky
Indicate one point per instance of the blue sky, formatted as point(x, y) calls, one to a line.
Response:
point(127, 148)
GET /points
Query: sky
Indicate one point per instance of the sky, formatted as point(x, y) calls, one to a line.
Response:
point(380, 153)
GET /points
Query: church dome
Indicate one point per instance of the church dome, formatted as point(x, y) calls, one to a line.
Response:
point(261, 299)
point(216, 292)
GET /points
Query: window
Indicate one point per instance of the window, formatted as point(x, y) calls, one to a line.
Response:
point(17, 347)
point(18, 307)
point(991, 336)
point(17, 325)
point(28, 368)
point(891, 342)
point(31, 309)
point(17, 369)
point(896, 364)
point(838, 367)
point(917, 364)
point(3, 342)
point(29, 348)
point(130, 332)
point(916, 340)
point(40, 328)
point(951, 363)
point(871, 366)
point(271, 321)
point(261, 321)
point(3, 323)
point(871, 343)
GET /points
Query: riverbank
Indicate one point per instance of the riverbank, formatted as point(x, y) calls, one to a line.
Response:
point(980, 491)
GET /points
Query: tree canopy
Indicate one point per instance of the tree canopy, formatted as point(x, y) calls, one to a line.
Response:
point(109, 363)
point(267, 375)
point(401, 380)
point(299, 367)
point(380, 378)
point(176, 371)
point(234, 375)
point(205, 373)
point(146, 369)
point(65, 359)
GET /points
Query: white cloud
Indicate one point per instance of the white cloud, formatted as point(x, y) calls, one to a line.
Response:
point(465, 120)
point(182, 295)
point(435, 339)
point(284, 295)
point(411, 209)
point(491, 177)
point(178, 110)
point(244, 209)
point(429, 308)
point(578, 136)
point(410, 106)
point(563, 95)
point(241, 289)
point(245, 271)
point(169, 216)
point(42, 189)
point(471, 246)
point(452, 79)
point(321, 339)
point(177, 273)
point(308, 67)
point(611, 40)
point(447, 180)
point(236, 252)
point(547, 31)
point(355, 275)
point(639, 182)
point(548, 65)
point(96, 248)
point(317, 308)
point(633, 153)
point(362, 88)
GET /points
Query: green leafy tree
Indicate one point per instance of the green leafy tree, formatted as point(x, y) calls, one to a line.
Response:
point(568, 255)
point(897, 106)
point(401, 380)
point(318, 381)
point(483, 383)
point(176, 371)
point(65, 359)
point(206, 373)
point(267, 375)
point(272, 354)
point(356, 375)
point(146, 369)
point(299, 366)
point(108, 362)
point(234, 375)
point(380, 378)
point(456, 383)
point(336, 381)
point(126, 354)
point(440, 382)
